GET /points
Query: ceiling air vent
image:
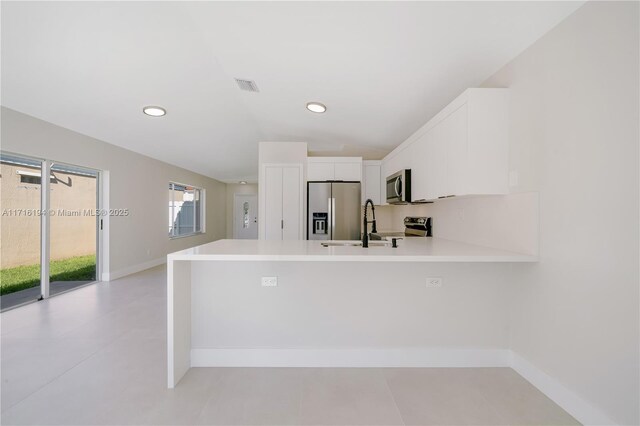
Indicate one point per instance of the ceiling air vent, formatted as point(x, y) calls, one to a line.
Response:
point(247, 85)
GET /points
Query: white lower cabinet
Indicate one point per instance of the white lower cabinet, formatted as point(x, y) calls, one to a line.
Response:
point(282, 192)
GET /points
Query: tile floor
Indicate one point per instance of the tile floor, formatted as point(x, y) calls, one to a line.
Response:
point(29, 295)
point(97, 356)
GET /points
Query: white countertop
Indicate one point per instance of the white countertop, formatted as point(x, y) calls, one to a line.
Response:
point(409, 250)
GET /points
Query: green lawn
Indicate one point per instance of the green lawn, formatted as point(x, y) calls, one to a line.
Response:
point(80, 268)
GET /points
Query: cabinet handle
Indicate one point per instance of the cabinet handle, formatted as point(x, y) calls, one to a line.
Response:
point(281, 223)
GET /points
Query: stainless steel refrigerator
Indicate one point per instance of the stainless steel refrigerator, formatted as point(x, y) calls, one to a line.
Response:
point(333, 211)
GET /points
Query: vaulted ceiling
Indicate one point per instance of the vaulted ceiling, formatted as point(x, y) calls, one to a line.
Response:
point(382, 68)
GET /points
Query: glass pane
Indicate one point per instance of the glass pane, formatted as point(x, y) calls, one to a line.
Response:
point(73, 227)
point(20, 230)
point(185, 207)
point(172, 216)
point(245, 215)
point(197, 206)
point(182, 210)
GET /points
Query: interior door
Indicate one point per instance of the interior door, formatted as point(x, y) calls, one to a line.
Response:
point(245, 216)
point(346, 211)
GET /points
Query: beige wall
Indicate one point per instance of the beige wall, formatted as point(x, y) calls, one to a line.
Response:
point(70, 235)
point(136, 182)
point(236, 188)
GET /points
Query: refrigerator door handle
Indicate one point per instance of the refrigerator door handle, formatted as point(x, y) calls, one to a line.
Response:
point(333, 216)
point(329, 219)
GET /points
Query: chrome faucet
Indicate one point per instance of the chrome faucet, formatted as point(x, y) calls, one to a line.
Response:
point(365, 222)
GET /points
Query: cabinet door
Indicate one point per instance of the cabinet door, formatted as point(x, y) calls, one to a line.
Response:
point(273, 205)
point(438, 165)
point(371, 184)
point(291, 205)
point(456, 140)
point(430, 165)
point(418, 152)
point(348, 172)
point(320, 171)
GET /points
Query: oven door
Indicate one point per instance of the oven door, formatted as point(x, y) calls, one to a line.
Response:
point(394, 188)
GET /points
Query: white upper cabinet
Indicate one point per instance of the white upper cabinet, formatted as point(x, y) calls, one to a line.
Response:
point(334, 168)
point(403, 159)
point(320, 171)
point(463, 150)
point(349, 171)
point(454, 141)
point(372, 182)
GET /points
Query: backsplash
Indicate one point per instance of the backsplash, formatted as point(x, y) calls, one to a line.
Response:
point(506, 222)
point(389, 218)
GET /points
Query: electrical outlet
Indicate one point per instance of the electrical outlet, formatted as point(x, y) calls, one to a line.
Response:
point(269, 281)
point(433, 282)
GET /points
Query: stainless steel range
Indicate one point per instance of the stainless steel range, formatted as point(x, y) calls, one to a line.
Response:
point(413, 227)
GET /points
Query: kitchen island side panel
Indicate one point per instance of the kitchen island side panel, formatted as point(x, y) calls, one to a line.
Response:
point(178, 320)
point(348, 306)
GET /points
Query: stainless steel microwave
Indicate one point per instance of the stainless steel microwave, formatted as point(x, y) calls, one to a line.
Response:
point(399, 187)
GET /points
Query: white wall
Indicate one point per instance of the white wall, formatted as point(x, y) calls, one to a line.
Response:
point(574, 138)
point(574, 133)
point(136, 182)
point(232, 189)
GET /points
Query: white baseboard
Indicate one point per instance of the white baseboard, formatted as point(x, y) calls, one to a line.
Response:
point(114, 275)
point(396, 357)
point(583, 411)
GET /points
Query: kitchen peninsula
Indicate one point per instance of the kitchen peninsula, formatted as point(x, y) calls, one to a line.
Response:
point(221, 312)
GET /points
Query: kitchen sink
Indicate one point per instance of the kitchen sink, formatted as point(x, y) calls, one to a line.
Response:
point(355, 244)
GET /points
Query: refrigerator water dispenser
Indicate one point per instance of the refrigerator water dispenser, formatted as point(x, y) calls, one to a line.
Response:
point(320, 223)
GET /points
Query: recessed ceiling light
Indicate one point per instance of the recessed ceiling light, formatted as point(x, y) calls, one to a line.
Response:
point(243, 182)
point(316, 107)
point(154, 111)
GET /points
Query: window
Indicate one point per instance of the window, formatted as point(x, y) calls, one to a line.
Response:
point(186, 210)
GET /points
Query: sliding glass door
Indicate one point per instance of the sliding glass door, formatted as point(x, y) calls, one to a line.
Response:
point(73, 204)
point(49, 228)
point(20, 199)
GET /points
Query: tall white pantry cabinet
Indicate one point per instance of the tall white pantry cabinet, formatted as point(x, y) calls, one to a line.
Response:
point(281, 201)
